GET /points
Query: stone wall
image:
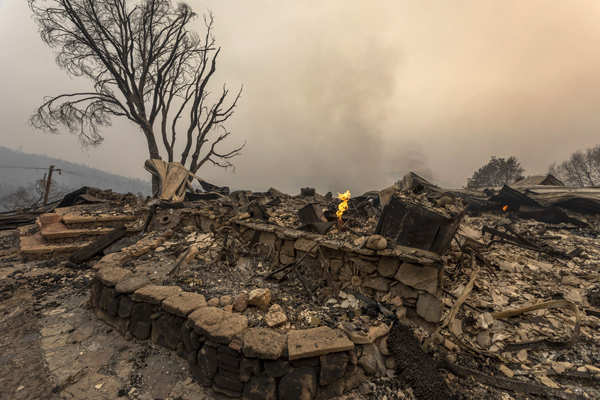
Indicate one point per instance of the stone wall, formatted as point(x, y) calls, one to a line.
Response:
point(227, 355)
point(239, 361)
point(392, 272)
point(411, 274)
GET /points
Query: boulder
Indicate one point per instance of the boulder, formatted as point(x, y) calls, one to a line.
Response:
point(132, 283)
point(275, 316)
point(300, 384)
point(484, 340)
point(207, 364)
point(225, 300)
point(388, 266)
point(363, 266)
point(359, 336)
point(218, 325)
point(260, 298)
point(376, 242)
point(261, 388)
point(263, 343)
point(429, 307)
point(277, 368)
point(183, 303)
point(403, 291)
point(306, 246)
point(240, 303)
point(287, 249)
point(214, 302)
point(378, 283)
point(154, 294)
point(249, 367)
point(110, 276)
point(418, 277)
point(140, 320)
point(228, 384)
point(166, 331)
point(125, 307)
point(333, 367)
point(372, 361)
point(109, 301)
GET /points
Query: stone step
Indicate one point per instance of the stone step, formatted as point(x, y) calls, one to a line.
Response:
point(106, 220)
point(59, 231)
point(36, 245)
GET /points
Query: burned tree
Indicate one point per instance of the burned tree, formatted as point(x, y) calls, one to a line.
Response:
point(581, 169)
point(497, 172)
point(146, 65)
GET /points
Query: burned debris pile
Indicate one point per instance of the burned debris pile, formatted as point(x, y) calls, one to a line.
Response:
point(413, 291)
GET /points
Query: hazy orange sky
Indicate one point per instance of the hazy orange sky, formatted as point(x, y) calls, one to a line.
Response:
point(352, 94)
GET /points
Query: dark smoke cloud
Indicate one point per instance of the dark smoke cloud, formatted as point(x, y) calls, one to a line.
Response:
point(353, 94)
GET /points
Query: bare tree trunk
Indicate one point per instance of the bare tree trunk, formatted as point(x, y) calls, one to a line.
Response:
point(146, 65)
point(154, 154)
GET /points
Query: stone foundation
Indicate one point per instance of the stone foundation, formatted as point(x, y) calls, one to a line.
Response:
point(227, 355)
point(411, 274)
point(414, 275)
point(263, 363)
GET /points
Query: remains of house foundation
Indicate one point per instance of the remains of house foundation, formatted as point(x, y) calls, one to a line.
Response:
point(272, 296)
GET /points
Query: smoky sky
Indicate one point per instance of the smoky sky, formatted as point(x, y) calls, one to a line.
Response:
point(353, 94)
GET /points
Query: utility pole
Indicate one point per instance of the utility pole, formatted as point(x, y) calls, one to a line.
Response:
point(48, 183)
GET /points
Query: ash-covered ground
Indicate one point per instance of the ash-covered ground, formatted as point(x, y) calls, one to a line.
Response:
point(53, 347)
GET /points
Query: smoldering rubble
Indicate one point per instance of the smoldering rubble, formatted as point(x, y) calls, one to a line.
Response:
point(410, 292)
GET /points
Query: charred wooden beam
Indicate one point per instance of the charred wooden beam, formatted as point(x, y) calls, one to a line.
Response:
point(513, 199)
point(549, 215)
point(209, 187)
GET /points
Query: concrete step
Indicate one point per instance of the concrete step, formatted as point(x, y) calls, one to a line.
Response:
point(59, 231)
point(93, 221)
point(35, 245)
point(64, 234)
point(63, 228)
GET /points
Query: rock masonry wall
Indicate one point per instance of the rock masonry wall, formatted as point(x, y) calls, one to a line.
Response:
point(262, 363)
point(227, 355)
point(411, 274)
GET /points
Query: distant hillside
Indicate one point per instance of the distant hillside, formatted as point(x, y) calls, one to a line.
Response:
point(17, 169)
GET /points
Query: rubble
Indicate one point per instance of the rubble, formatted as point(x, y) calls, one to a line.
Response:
point(275, 317)
point(262, 300)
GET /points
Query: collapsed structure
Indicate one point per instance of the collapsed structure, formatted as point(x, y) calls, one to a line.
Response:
point(270, 296)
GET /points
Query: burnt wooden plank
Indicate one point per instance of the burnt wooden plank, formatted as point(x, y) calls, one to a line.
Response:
point(446, 233)
point(513, 199)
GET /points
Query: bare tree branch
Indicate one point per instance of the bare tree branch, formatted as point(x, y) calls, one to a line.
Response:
point(146, 65)
point(581, 169)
